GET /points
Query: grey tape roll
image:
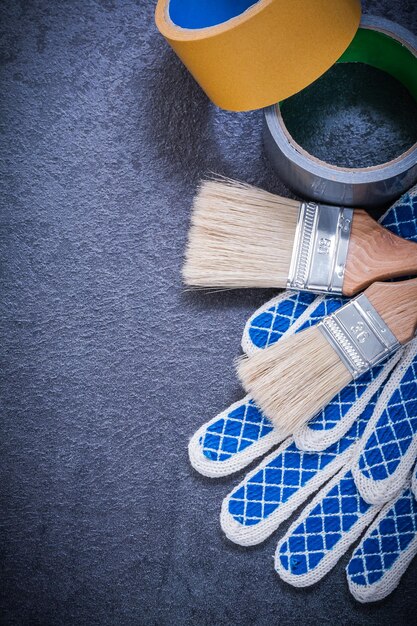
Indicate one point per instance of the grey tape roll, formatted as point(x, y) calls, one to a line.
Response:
point(366, 187)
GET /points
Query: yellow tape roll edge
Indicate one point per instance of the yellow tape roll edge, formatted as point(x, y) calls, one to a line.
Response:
point(272, 50)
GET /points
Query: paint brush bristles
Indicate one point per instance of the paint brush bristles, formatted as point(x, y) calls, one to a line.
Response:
point(294, 379)
point(240, 236)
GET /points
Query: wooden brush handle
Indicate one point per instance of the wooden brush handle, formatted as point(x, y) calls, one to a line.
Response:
point(397, 305)
point(376, 254)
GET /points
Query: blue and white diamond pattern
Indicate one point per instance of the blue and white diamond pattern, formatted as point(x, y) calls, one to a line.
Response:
point(390, 445)
point(332, 423)
point(326, 306)
point(401, 219)
point(326, 528)
point(232, 439)
point(273, 319)
point(234, 432)
point(271, 492)
point(330, 417)
point(385, 550)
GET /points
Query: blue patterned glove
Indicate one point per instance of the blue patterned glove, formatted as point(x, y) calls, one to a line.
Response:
point(288, 476)
point(241, 433)
point(378, 473)
point(386, 549)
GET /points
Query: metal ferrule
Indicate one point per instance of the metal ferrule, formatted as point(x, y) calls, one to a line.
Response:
point(359, 335)
point(320, 248)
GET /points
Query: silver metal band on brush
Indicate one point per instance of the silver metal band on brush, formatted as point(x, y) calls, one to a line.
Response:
point(320, 248)
point(358, 187)
point(359, 335)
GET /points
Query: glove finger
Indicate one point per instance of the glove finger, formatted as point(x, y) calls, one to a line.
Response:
point(326, 528)
point(330, 424)
point(285, 314)
point(389, 446)
point(232, 440)
point(385, 551)
point(241, 433)
point(281, 483)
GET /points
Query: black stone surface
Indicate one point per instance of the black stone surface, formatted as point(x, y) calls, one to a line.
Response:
point(108, 366)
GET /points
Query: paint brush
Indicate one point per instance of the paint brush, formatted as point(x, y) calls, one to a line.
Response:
point(294, 379)
point(242, 236)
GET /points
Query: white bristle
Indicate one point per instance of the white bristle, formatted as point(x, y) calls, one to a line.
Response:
point(240, 236)
point(294, 379)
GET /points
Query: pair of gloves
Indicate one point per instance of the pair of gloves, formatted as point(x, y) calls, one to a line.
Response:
point(358, 455)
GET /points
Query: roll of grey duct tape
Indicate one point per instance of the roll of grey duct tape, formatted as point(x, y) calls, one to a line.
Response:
point(388, 47)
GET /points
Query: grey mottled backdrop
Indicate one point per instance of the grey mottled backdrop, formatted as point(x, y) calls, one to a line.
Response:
point(107, 365)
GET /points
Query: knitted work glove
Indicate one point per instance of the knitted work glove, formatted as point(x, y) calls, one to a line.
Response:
point(386, 549)
point(384, 458)
point(289, 475)
point(339, 513)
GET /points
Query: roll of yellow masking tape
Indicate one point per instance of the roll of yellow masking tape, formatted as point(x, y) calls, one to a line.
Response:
point(248, 54)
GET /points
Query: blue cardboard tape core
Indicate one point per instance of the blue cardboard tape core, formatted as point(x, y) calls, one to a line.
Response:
point(204, 13)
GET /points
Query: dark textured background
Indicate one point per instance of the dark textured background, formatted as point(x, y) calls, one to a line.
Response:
point(107, 365)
